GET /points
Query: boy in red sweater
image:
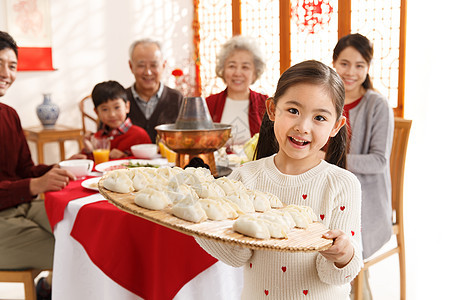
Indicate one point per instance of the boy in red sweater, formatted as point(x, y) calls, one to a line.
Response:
point(112, 106)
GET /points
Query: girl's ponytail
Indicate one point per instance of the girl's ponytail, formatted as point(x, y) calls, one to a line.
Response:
point(267, 143)
point(337, 149)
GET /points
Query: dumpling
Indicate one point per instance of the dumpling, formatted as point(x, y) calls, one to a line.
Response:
point(286, 216)
point(139, 178)
point(153, 174)
point(152, 199)
point(178, 193)
point(277, 230)
point(306, 210)
point(209, 190)
point(251, 226)
point(203, 174)
point(260, 200)
point(189, 211)
point(168, 172)
point(151, 171)
point(233, 205)
point(310, 212)
point(230, 186)
point(184, 177)
point(300, 219)
point(176, 170)
point(243, 201)
point(217, 210)
point(118, 181)
point(275, 202)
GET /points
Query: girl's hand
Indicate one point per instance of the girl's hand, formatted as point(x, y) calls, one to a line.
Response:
point(116, 153)
point(341, 252)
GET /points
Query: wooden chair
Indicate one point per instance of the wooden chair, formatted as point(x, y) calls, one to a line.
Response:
point(88, 117)
point(26, 277)
point(398, 157)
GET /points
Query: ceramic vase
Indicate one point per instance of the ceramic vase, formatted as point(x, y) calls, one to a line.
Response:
point(47, 112)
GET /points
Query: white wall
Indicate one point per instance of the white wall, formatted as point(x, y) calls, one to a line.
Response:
point(427, 200)
point(90, 44)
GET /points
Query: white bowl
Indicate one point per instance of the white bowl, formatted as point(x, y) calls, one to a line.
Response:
point(145, 150)
point(79, 167)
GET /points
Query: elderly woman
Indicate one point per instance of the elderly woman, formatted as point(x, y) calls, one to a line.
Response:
point(239, 64)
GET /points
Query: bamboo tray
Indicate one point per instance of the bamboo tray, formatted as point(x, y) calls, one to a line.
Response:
point(299, 240)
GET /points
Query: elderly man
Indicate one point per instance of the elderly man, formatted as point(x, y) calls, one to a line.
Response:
point(26, 239)
point(151, 102)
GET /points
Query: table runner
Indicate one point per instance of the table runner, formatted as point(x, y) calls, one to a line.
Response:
point(162, 260)
point(56, 202)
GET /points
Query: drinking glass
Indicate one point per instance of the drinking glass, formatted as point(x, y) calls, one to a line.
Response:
point(101, 147)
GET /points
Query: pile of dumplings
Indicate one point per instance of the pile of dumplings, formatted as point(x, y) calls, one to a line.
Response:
point(275, 223)
point(194, 195)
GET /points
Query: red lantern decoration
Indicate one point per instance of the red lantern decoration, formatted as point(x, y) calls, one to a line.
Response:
point(312, 15)
point(177, 73)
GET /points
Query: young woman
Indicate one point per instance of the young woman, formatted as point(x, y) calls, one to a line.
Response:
point(371, 125)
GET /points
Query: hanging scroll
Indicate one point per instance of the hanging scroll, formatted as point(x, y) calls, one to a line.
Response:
point(28, 22)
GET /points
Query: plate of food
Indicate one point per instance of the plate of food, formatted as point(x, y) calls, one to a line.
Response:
point(91, 183)
point(131, 163)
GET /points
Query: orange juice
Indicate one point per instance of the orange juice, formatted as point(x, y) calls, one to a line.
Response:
point(101, 155)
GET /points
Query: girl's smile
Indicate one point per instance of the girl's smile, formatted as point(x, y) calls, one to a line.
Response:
point(304, 119)
point(298, 142)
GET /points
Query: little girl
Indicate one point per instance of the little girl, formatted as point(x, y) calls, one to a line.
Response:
point(306, 112)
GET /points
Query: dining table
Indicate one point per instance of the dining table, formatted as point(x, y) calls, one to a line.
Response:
point(102, 252)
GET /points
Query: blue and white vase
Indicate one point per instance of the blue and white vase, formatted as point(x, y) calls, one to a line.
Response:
point(47, 112)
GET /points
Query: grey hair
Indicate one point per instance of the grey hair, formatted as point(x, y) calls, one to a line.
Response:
point(239, 42)
point(144, 41)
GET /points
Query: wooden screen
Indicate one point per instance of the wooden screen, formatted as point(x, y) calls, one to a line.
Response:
point(256, 22)
point(292, 31)
point(380, 22)
point(215, 28)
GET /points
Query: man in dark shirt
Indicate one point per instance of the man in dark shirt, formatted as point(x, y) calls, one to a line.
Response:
point(26, 239)
point(151, 102)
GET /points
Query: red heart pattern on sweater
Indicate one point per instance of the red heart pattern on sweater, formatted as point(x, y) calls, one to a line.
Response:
point(305, 292)
point(353, 233)
point(304, 196)
point(266, 292)
point(342, 208)
point(322, 217)
point(283, 269)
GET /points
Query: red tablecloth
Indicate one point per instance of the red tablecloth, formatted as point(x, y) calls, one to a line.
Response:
point(56, 202)
point(145, 258)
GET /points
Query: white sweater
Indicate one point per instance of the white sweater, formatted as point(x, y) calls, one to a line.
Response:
point(335, 196)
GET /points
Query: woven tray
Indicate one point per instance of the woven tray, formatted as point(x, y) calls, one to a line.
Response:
point(302, 240)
